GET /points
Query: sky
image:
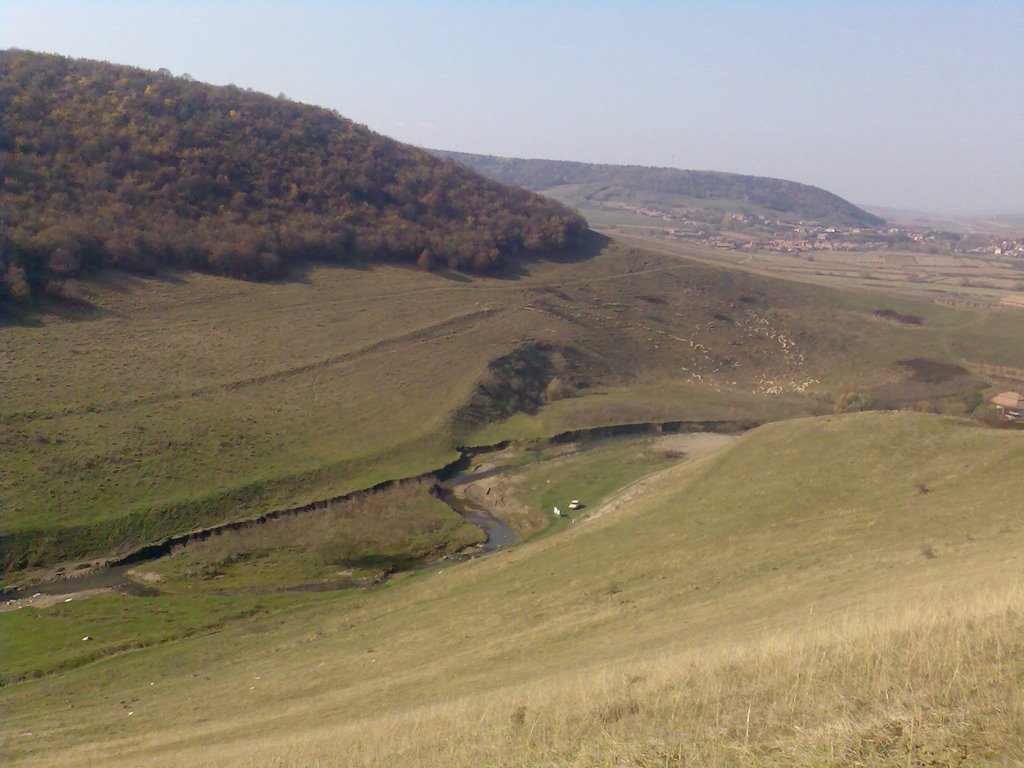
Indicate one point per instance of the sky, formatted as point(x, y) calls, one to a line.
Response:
point(913, 105)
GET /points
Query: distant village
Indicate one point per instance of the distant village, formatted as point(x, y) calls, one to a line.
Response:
point(748, 232)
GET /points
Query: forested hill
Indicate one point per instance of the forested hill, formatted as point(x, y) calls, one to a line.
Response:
point(789, 199)
point(104, 165)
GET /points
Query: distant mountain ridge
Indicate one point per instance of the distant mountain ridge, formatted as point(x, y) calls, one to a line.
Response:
point(787, 198)
point(109, 165)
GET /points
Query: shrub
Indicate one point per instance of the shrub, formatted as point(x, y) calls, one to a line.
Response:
point(556, 390)
point(849, 402)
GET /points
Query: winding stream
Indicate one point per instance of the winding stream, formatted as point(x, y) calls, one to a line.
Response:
point(114, 575)
point(499, 535)
point(111, 577)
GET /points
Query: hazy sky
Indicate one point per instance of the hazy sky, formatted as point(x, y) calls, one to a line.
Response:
point(908, 104)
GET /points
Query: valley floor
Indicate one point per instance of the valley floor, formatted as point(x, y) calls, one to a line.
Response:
point(839, 590)
point(182, 401)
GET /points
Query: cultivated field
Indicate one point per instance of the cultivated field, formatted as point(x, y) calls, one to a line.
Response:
point(839, 590)
point(963, 280)
point(958, 279)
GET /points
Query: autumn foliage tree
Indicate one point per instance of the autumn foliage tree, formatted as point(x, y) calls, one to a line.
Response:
point(114, 166)
point(427, 261)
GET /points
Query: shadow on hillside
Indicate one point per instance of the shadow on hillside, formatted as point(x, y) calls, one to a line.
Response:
point(11, 317)
point(123, 282)
point(34, 315)
point(81, 310)
point(593, 244)
point(74, 308)
point(455, 277)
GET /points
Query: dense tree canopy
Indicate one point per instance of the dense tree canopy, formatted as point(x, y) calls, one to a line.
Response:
point(104, 165)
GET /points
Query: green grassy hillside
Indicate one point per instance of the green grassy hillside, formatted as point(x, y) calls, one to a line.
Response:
point(183, 400)
point(839, 590)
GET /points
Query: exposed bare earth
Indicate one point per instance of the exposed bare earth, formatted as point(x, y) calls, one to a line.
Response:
point(45, 601)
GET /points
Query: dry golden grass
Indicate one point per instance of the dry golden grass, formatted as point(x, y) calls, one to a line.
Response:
point(794, 599)
point(926, 684)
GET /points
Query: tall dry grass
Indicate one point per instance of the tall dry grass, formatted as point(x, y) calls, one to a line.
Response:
point(932, 685)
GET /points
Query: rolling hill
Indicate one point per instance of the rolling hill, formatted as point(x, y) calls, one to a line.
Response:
point(840, 590)
point(824, 588)
point(588, 184)
point(110, 165)
point(183, 400)
point(826, 571)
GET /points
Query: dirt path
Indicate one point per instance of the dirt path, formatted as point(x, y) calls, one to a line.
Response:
point(497, 487)
point(467, 320)
point(40, 600)
point(694, 445)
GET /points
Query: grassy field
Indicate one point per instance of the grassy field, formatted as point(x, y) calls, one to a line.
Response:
point(840, 590)
point(868, 691)
point(534, 480)
point(357, 540)
point(187, 400)
point(39, 643)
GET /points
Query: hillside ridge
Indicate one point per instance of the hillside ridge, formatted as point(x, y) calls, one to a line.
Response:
point(822, 586)
point(116, 166)
point(788, 198)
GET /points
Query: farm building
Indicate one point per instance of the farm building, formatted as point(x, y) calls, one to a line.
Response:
point(1010, 405)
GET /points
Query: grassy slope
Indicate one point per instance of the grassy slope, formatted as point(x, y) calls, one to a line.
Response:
point(194, 399)
point(242, 567)
point(844, 588)
point(37, 644)
point(522, 484)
